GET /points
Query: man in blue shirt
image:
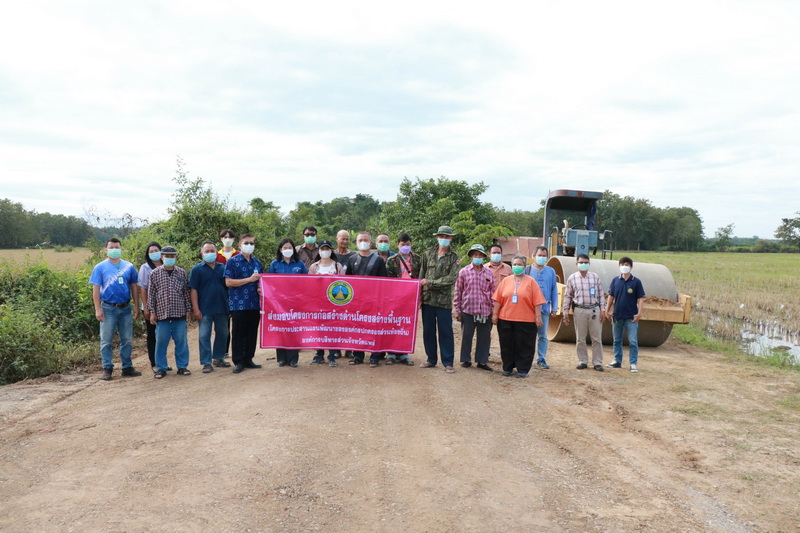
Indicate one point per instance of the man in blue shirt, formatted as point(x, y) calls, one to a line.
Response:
point(210, 307)
point(546, 278)
point(242, 273)
point(624, 308)
point(113, 282)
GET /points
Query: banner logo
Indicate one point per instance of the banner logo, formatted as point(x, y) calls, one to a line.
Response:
point(340, 293)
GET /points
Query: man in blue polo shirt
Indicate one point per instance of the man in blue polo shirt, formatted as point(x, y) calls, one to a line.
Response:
point(210, 307)
point(624, 307)
point(242, 273)
point(545, 277)
point(114, 282)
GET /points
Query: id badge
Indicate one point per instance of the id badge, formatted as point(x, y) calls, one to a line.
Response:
point(120, 280)
point(255, 270)
point(592, 290)
point(513, 298)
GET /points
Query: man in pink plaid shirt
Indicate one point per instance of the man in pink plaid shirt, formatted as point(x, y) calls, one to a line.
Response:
point(472, 306)
point(585, 293)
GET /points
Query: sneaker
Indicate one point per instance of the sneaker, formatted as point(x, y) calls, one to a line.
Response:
point(581, 366)
point(221, 363)
point(599, 368)
point(106, 374)
point(207, 369)
point(130, 372)
point(614, 365)
point(466, 364)
point(332, 362)
point(506, 373)
point(542, 365)
point(316, 361)
point(634, 369)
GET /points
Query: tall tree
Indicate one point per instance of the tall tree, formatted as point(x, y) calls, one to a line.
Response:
point(789, 231)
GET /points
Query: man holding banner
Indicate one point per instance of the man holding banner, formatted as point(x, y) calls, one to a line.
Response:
point(366, 263)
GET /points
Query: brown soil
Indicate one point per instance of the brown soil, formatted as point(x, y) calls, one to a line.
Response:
point(655, 301)
point(694, 442)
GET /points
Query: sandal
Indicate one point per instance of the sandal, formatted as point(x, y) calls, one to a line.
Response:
point(356, 362)
point(373, 364)
point(184, 372)
point(389, 362)
point(426, 364)
point(158, 374)
point(450, 370)
point(407, 362)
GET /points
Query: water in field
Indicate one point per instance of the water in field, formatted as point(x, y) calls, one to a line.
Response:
point(763, 338)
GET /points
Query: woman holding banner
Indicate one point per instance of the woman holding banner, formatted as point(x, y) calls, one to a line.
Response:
point(287, 262)
point(328, 265)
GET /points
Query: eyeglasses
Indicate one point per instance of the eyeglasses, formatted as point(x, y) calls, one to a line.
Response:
point(309, 234)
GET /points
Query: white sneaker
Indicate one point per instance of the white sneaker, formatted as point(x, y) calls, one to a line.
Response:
point(634, 369)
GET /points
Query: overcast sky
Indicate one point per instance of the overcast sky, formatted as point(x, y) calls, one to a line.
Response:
point(683, 103)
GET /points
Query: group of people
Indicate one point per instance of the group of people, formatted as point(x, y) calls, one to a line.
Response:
point(221, 292)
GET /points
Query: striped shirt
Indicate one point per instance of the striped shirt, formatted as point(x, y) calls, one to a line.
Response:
point(584, 291)
point(473, 292)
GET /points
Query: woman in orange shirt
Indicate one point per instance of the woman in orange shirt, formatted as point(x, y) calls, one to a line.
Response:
point(518, 315)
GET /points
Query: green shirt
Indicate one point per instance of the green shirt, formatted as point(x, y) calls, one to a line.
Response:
point(441, 273)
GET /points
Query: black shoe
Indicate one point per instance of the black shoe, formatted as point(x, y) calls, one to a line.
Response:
point(207, 369)
point(238, 368)
point(293, 365)
point(169, 369)
point(317, 361)
point(581, 366)
point(130, 372)
point(251, 365)
point(466, 364)
point(106, 374)
point(614, 365)
point(599, 368)
point(221, 363)
point(484, 366)
point(281, 363)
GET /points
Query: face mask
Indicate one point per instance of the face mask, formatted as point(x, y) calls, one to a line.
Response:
point(155, 256)
point(325, 254)
point(583, 267)
point(169, 261)
point(287, 253)
point(114, 253)
point(310, 239)
point(227, 242)
point(477, 260)
point(495, 258)
point(363, 246)
point(540, 260)
point(405, 250)
point(444, 242)
point(383, 246)
point(517, 270)
point(248, 248)
point(210, 257)
point(625, 269)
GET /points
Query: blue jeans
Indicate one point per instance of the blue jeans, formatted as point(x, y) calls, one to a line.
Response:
point(542, 342)
point(441, 319)
point(633, 339)
point(174, 329)
point(121, 321)
point(220, 324)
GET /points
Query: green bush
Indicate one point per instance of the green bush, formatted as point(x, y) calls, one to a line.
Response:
point(27, 348)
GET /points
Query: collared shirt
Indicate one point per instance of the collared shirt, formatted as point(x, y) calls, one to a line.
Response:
point(244, 297)
point(626, 293)
point(223, 256)
point(500, 271)
point(546, 279)
point(584, 291)
point(114, 280)
point(473, 291)
point(168, 295)
point(528, 294)
point(292, 267)
point(144, 275)
point(308, 255)
point(441, 273)
point(209, 282)
point(403, 267)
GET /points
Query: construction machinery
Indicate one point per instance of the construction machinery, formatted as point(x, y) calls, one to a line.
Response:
point(576, 211)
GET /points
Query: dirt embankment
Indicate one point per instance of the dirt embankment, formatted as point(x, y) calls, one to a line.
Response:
point(691, 443)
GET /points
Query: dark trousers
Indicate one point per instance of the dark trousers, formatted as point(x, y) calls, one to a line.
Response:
point(151, 343)
point(244, 335)
point(440, 318)
point(287, 357)
point(517, 345)
point(373, 357)
point(320, 355)
point(228, 346)
point(468, 328)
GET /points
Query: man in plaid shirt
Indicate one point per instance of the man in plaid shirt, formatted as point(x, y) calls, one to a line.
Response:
point(472, 306)
point(170, 307)
point(585, 292)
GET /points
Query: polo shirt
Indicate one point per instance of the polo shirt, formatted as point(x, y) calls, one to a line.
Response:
point(529, 295)
point(212, 294)
point(244, 297)
point(292, 267)
point(114, 280)
point(626, 293)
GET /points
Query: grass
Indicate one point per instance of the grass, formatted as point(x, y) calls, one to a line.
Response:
point(56, 258)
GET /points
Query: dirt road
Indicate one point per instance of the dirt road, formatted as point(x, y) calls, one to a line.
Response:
point(692, 443)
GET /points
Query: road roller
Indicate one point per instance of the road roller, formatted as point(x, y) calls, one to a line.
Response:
point(663, 306)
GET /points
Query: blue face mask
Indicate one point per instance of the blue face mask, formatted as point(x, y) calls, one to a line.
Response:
point(444, 242)
point(114, 253)
point(383, 247)
point(477, 260)
point(540, 260)
point(169, 261)
point(155, 256)
point(210, 257)
point(583, 267)
point(496, 258)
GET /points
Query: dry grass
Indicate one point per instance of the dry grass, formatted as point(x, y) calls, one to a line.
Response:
point(52, 258)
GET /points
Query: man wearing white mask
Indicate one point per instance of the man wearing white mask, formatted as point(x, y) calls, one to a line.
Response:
point(365, 263)
point(625, 297)
point(242, 273)
point(545, 277)
point(584, 294)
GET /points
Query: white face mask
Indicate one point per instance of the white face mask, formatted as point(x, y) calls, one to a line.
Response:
point(325, 254)
point(287, 253)
point(227, 241)
point(363, 246)
point(248, 248)
point(625, 269)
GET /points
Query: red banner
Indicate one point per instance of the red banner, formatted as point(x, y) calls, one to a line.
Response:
point(364, 314)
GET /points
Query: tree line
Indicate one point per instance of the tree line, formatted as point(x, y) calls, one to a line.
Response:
point(22, 228)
